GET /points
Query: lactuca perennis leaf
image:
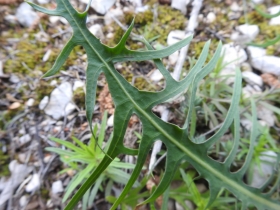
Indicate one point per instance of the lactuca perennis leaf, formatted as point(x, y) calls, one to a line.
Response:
point(128, 100)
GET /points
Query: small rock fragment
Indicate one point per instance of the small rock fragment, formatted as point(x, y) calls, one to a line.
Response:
point(272, 11)
point(110, 121)
point(44, 102)
point(180, 5)
point(34, 183)
point(30, 102)
point(25, 139)
point(100, 6)
point(211, 17)
point(266, 115)
point(175, 36)
point(262, 62)
point(156, 76)
point(57, 187)
point(26, 15)
point(252, 78)
point(261, 172)
point(78, 84)
point(97, 31)
point(14, 105)
point(113, 13)
point(59, 99)
point(14, 79)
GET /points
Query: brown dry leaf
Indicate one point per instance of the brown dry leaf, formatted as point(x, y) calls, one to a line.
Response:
point(105, 101)
point(152, 182)
point(271, 80)
point(10, 1)
point(132, 121)
point(15, 105)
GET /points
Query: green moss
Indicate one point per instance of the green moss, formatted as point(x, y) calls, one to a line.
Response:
point(8, 115)
point(4, 163)
point(43, 89)
point(79, 97)
point(167, 19)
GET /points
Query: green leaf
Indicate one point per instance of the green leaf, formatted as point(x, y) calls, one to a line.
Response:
point(128, 100)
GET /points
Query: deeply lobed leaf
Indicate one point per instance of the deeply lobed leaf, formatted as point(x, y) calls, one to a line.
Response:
point(128, 100)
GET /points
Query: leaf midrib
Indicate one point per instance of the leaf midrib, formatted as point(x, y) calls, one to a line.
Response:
point(184, 149)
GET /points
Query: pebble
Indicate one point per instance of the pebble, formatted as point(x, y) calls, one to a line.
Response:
point(44, 102)
point(59, 99)
point(264, 169)
point(57, 187)
point(97, 31)
point(262, 62)
point(30, 102)
point(211, 17)
point(272, 11)
point(156, 76)
point(26, 15)
point(258, 1)
point(116, 13)
point(266, 115)
point(110, 121)
point(34, 183)
point(100, 6)
point(78, 84)
point(23, 201)
point(14, 79)
point(252, 78)
point(251, 31)
point(25, 139)
point(234, 55)
point(175, 36)
point(180, 5)
point(43, 1)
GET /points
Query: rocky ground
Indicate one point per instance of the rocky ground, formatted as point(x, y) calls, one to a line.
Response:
point(33, 109)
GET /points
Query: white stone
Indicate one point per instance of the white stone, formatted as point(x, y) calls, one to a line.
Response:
point(30, 102)
point(261, 172)
point(211, 17)
point(54, 19)
point(262, 62)
point(266, 115)
point(235, 7)
point(78, 84)
point(156, 76)
point(53, 83)
point(110, 121)
point(26, 15)
point(59, 99)
point(97, 31)
point(175, 36)
point(47, 55)
point(23, 201)
point(43, 1)
point(113, 13)
point(180, 5)
point(234, 55)
point(18, 173)
point(251, 31)
point(100, 6)
point(70, 107)
point(14, 79)
point(57, 187)
point(34, 183)
point(258, 1)
point(272, 11)
point(249, 91)
point(25, 139)
point(142, 9)
point(252, 78)
point(44, 102)
point(11, 19)
point(173, 58)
